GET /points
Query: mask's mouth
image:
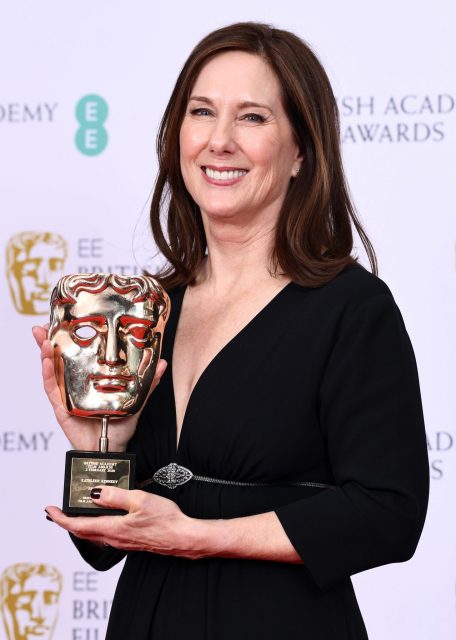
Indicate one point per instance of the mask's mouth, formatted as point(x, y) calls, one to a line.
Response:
point(111, 384)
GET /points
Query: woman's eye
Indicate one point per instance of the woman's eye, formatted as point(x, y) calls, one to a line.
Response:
point(200, 111)
point(253, 117)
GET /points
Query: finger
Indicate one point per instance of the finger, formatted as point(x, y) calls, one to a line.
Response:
point(99, 528)
point(159, 371)
point(40, 335)
point(50, 383)
point(57, 516)
point(47, 349)
point(49, 380)
point(115, 498)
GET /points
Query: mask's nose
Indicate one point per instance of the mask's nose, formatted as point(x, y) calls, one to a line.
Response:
point(112, 350)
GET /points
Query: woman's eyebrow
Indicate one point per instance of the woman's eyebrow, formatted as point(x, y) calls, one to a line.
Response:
point(250, 103)
point(242, 105)
point(200, 99)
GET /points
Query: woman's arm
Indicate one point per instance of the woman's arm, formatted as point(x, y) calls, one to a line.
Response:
point(258, 537)
point(156, 524)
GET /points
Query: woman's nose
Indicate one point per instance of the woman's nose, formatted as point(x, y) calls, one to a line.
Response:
point(222, 136)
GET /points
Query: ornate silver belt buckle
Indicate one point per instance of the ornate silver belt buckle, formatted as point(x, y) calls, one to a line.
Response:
point(173, 475)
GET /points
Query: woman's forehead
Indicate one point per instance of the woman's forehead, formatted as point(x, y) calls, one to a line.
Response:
point(239, 74)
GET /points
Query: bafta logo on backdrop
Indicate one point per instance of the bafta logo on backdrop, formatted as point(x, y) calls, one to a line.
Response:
point(29, 600)
point(34, 262)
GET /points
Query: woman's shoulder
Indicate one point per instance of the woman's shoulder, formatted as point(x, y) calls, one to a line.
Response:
point(351, 289)
point(356, 284)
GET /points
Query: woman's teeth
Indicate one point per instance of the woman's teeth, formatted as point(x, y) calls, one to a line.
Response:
point(224, 175)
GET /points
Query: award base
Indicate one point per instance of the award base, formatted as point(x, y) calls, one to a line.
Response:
point(85, 470)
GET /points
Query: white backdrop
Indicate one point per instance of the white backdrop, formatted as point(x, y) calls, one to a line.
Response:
point(392, 68)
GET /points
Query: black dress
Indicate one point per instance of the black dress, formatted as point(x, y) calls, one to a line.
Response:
point(320, 386)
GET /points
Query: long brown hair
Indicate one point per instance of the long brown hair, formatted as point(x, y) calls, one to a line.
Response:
point(314, 239)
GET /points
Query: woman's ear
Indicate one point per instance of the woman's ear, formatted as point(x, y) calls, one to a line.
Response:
point(297, 164)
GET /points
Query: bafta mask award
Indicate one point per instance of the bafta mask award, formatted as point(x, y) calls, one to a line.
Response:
point(107, 333)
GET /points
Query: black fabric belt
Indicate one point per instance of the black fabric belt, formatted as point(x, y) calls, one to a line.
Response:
point(174, 475)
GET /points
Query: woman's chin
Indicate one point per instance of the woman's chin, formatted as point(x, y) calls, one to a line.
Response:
point(228, 212)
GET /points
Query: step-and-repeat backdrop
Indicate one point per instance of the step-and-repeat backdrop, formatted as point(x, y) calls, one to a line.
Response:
point(83, 87)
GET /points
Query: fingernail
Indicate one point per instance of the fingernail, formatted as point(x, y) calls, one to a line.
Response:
point(47, 511)
point(95, 493)
point(50, 519)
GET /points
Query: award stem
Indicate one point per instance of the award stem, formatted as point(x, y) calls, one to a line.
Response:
point(103, 442)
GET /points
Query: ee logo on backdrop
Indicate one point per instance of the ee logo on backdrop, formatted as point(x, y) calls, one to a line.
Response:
point(91, 113)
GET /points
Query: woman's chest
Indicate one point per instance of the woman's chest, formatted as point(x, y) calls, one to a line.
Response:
point(253, 412)
point(203, 333)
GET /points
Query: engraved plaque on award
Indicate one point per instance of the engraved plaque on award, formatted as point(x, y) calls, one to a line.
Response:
point(107, 334)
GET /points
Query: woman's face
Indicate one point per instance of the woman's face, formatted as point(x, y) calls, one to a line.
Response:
point(237, 149)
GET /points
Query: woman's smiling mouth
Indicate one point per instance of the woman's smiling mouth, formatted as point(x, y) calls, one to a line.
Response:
point(223, 175)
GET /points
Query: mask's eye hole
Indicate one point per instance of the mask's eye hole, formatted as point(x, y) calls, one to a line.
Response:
point(85, 332)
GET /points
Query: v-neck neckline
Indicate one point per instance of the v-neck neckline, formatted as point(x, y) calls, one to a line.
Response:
point(177, 311)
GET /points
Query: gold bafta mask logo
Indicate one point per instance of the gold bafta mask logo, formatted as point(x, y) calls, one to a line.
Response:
point(29, 599)
point(34, 263)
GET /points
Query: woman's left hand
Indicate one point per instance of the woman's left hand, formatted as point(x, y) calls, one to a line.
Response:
point(153, 523)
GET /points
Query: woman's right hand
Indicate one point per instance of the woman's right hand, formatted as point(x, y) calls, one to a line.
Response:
point(83, 433)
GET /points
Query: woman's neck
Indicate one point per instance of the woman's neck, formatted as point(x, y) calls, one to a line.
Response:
point(237, 253)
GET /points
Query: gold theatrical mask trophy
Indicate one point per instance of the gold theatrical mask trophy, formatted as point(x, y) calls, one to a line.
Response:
point(107, 333)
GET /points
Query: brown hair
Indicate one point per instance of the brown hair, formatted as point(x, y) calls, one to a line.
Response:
point(314, 239)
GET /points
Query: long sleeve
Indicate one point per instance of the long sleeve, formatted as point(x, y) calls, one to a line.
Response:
point(371, 418)
point(100, 558)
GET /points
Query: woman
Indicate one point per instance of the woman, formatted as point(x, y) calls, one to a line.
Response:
point(291, 388)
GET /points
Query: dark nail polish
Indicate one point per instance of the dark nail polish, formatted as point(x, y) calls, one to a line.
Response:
point(50, 519)
point(95, 493)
